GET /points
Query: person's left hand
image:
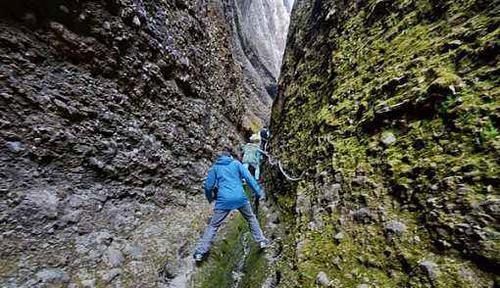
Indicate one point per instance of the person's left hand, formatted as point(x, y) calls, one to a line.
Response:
point(262, 196)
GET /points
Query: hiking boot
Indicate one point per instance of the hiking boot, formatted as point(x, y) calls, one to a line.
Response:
point(264, 244)
point(198, 257)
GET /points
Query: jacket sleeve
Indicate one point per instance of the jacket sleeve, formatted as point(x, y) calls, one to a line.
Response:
point(250, 180)
point(210, 184)
point(262, 152)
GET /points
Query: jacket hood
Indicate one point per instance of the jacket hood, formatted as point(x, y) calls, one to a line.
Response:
point(224, 160)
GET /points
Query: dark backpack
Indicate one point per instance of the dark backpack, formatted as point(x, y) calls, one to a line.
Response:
point(215, 189)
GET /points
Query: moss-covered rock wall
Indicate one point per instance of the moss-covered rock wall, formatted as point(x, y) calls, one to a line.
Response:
point(391, 108)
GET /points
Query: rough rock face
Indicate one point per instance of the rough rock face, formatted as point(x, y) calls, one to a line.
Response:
point(110, 112)
point(259, 29)
point(392, 110)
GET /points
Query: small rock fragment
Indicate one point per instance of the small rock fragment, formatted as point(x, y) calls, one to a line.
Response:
point(53, 276)
point(395, 227)
point(15, 146)
point(322, 279)
point(135, 252)
point(72, 217)
point(169, 271)
point(136, 21)
point(114, 257)
point(89, 283)
point(430, 268)
point(109, 276)
point(388, 138)
point(339, 236)
point(363, 215)
point(64, 9)
point(96, 163)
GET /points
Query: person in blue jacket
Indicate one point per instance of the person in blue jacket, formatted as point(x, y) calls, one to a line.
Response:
point(227, 174)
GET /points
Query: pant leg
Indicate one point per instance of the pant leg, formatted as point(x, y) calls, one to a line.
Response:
point(250, 167)
point(257, 171)
point(248, 214)
point(206, 240)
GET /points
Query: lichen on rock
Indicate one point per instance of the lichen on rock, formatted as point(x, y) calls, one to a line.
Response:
point(397, 102)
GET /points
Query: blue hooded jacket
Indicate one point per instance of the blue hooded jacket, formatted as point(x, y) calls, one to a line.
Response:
point(227, 174)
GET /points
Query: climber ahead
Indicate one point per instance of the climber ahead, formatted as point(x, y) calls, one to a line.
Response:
point(252, 155)
point(225, 177)
point(264, 137)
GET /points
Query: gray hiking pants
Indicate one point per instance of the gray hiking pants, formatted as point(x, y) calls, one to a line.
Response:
point(256, 167)
point(219, 215)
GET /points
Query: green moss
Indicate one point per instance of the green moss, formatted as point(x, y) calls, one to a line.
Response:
point(426, 72)
point(228, 255)
point(489, 132)
point(217, 270)
point(255, 268)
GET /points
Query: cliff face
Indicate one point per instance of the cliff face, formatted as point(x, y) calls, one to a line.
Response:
point(258, 31)
point(392, 110)
point(110, 113)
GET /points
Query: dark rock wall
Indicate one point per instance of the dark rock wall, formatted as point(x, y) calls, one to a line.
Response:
point(110, 112)
point(391, 108)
